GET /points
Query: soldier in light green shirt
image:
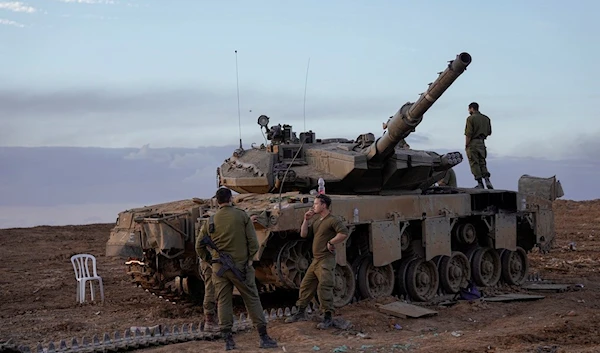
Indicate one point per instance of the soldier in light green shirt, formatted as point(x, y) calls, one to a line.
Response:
point(327, 231)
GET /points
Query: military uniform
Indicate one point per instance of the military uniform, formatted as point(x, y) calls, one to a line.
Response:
point(449, 179)
point(234, 234)
point(478, 127)
point(320, 275)
point(209, 305)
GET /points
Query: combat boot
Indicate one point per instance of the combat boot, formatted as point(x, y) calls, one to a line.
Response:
point(265, 340)
point(229, 342)
point(299, 316)
point(479, 184)
point(327, 321)
point(488, 183)
point(210, 323)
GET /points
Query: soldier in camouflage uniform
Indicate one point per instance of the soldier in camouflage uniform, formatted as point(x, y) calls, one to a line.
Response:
point(327, 231)
point(478, 127)
point(449, 179)
point(234, 234)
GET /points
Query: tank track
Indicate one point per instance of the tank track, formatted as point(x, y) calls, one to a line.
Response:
point(145, 280)
point(157, 336)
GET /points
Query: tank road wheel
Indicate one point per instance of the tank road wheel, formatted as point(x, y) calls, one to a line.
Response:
point(401, 272)
point(422, 280)
point(455, 272)
point(486, 267)
point(375, 282)
point(292, 262)
point(405, 239)
point(515, 266)
point(344, 286)
point(465, 234)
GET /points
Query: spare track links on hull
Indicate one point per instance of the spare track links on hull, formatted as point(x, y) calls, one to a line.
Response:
point(157, 336)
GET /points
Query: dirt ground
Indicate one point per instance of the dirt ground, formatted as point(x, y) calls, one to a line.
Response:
point(37, 296)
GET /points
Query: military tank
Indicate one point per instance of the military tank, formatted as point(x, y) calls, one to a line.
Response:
point(407, 235)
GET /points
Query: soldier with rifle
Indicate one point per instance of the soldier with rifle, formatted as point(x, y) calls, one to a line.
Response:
point(209, 305)
point(229, 242)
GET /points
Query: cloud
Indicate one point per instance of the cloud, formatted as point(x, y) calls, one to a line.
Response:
point(577, 147)
point(94, 2)
point(17, 6)
point(180, 116)
point(87, 185)
point(10, 23)
point(134, 117)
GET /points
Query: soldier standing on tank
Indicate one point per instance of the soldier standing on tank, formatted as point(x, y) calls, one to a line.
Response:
point(234, 234)
point(327, 231)
point(478, 127)
point(449, 179)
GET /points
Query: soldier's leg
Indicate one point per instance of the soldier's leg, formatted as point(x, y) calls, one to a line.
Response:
point(308, 288)
point(482, 152)
point(325, 272)
point(249, 294)
point(472, 155)
point(209, 305)
point(224, 293)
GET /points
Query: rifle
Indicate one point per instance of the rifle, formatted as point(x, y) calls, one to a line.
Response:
point(224, 259)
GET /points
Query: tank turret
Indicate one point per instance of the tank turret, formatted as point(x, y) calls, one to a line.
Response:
point(364, 165)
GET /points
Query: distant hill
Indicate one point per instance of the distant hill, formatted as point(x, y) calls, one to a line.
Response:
point(71, 185)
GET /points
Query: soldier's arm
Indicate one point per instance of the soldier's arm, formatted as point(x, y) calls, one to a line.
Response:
point(468, 131)
point(306, 229)
point(341, 232)
point(251, 238)
point(490, 128)
point(201, 249)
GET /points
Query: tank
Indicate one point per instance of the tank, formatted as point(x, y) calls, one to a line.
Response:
point(407, 236)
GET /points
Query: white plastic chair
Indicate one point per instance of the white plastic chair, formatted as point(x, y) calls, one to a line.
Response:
point(82, 275)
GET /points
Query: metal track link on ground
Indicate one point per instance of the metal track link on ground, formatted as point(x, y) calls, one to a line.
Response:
point(158, 335)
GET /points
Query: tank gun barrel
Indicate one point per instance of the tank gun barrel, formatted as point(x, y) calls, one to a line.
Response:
point(410, 115)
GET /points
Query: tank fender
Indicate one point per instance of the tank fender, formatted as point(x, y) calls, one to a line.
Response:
point(384, 242)
point(436, 236)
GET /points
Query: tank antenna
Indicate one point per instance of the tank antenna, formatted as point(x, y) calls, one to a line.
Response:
point(305, 85)
point(238, 98)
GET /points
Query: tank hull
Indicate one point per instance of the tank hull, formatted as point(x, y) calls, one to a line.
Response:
point(414, 244)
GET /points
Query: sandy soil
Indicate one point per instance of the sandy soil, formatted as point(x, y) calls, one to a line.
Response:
point(37, 296)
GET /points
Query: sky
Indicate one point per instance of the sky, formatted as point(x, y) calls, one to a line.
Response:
point(154, 77)
point(125, 73)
